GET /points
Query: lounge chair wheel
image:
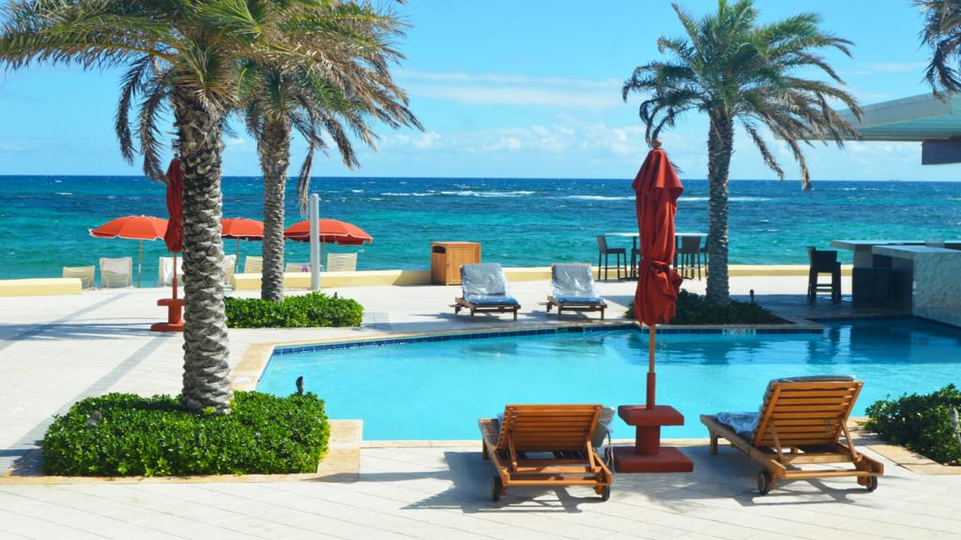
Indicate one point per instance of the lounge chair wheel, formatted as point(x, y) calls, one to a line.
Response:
point(871, 483)
point(605, 493)
point(496, 487)
point(764, 482)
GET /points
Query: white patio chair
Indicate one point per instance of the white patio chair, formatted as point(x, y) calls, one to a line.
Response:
point(86, 274)
point(116, 272)
point(341, 262)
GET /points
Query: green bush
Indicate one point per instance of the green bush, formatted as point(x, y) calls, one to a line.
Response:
point(695, 309)
point(309, 310)
point(920, 423)
point(131, 435)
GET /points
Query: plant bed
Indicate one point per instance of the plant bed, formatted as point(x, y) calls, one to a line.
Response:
point(919, 422)
point(305, 311)
point(694, 309)
point(131, 435)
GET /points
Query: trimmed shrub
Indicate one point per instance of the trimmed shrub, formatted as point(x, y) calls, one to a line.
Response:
point(131, 435)
point(309, 310)
point(695, 309)
point(920, 423)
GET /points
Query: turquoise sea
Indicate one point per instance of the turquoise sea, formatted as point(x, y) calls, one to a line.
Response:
point(519, 222)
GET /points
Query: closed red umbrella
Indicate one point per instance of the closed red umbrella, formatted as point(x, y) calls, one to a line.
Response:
point(133, 228)
point(174, 238)
point(657, 188)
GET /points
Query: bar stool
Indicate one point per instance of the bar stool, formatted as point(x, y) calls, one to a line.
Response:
point(635, 261)
point(604, 251)
point(824, 262)
point(689, 256)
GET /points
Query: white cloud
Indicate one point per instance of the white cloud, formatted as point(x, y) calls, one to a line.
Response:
point(421, 141)
point(512, 89)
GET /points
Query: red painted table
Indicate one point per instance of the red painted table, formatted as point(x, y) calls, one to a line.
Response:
point(647, 454)
point(175, 320)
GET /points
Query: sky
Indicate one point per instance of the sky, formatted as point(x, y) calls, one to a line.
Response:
point(512, 89)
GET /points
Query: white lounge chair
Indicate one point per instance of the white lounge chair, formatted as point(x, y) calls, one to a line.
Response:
point(165, 271)
point(230, 264)
point(116, 272)
point(253, 265)
point(485, 291)
point(341, 262)
point(86, 274)
point(297, 267)
point(572, 289)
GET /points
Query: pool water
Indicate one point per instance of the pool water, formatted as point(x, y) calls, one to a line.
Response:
point(438, 390)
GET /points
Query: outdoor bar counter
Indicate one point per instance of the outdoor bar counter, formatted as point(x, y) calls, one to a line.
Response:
point(909, 276)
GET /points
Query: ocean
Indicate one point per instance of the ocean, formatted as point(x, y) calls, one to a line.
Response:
point(519, 222)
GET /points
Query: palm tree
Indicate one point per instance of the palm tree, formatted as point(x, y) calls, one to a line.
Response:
point(276, 101)
point(736, 70)
point(185, 55)
point(942, 32)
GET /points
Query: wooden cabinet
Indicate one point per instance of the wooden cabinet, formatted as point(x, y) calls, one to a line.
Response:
point(446, 259)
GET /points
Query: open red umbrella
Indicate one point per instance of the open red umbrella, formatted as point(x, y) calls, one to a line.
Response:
point(331, 231)
point(657, 188)
point(133, 228)
point(241, 229)
point(174, 238)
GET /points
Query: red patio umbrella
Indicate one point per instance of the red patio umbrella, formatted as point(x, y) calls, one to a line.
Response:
point(331, 231)
point(657, 188)
point(133, 228)
point(174, 238)
point(241, 229)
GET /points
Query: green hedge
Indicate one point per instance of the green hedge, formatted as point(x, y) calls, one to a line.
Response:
point(130, 435)
point(919, 423)
point(309, 310)
point(695, 309)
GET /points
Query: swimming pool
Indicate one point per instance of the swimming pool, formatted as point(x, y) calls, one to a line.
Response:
point(438, 389)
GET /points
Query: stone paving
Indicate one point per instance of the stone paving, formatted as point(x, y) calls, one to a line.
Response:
point(56, 350)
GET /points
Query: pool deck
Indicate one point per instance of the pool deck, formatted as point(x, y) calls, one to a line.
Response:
point(55, 350)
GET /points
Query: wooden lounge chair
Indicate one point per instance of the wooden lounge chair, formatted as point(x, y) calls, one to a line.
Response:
point(484, 291)
point(572, 289)
point(564, 430)
point(800, 423)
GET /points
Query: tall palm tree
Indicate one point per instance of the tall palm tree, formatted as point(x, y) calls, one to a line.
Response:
point(942, 32)
point(276, 101)
point(739, 71)
point(185, 55)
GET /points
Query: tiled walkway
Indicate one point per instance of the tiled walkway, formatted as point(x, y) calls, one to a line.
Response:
point(55, 350)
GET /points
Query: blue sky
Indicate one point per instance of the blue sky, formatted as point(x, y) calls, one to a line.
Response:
point(511, 89)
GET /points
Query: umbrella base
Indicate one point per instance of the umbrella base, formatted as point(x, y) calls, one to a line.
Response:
point(667, 460)
point(647, 455)
point(175, 320)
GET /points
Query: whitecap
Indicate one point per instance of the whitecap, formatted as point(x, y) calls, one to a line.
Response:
point(729, 199)
point(598, 198)
point(469, 193)
point(64, 193)
point(390, 194)
point(356, 191)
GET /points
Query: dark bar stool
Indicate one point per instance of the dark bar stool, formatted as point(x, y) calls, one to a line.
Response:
point(635, 261)
point(824, 262)
point(689, 256)
point(604, 251)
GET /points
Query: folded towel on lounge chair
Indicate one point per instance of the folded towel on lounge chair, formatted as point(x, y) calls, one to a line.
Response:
point(480, 299)
point(744, 423)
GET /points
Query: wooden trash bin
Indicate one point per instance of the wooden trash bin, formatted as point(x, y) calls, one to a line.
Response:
point(446, 259)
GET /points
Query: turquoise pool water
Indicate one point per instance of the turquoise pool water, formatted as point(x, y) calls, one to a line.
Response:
point(437, 390)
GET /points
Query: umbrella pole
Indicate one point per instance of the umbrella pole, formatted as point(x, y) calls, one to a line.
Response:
point(651, 377)
point(238, 251)
point(175, 276)
point(140, 265)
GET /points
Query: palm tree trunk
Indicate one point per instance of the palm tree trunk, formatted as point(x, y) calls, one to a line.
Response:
point(720, 147)
point(206, 381)
point(274, 150)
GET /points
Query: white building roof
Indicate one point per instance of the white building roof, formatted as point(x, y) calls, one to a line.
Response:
point(916, 118)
